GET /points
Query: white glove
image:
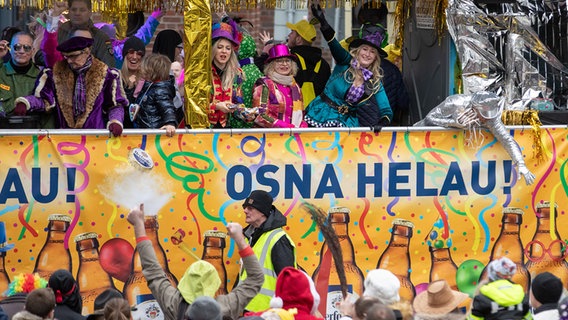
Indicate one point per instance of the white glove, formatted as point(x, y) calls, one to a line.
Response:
point(529, 176)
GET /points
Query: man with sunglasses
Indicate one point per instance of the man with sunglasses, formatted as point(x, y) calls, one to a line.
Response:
point(18, 75)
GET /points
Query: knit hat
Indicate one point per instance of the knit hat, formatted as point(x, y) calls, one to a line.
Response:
point(4, 245)
point(133, 43)
point(279, 51)
point(261, 200)
point(546, 288)
point(382, 284)
point(200, 279)
point(304, 28)
point(204, 308)
point(438, 299)
point(374, 35)
point(502, 268)
point(101, 300)
point(75, 44)
point(563, 309)
point(228, 31)
point(295, 289)
point(66, 290)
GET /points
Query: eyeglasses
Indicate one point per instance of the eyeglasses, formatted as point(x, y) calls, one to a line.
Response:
point(132, 51)
point(72, 56)
point(283, 61)
point(19, 47)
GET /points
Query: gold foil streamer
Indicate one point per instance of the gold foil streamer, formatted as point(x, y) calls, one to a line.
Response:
point(527, 117)
point(104, 6)
point(197, 69)
point(440, 18)
point(401, 14)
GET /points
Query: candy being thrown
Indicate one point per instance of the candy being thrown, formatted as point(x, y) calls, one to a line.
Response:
point(140, 159)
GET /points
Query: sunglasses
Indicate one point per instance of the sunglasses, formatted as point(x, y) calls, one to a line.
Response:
point(132, 51)
point(19, 47)
point(72, 56)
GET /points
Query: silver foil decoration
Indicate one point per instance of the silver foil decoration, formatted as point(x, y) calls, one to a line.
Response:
point(495, 52)
point(472, 112)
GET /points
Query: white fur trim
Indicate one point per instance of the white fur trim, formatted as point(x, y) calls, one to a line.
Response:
point(276, 302)
point(315, 295)
point(24, 101)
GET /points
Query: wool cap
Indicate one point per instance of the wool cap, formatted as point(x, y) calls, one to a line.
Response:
point(261, 200)
point(133, 43)
point(382, 284)
point(546, 288)
point(204, 308)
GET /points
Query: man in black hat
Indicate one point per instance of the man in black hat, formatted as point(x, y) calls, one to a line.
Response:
point(83, 91)
point(271, 244)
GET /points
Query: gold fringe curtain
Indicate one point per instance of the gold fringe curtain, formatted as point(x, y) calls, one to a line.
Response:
point(110, 7)
point(527, 117)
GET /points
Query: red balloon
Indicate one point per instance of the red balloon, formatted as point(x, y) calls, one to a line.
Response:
point(116, 258)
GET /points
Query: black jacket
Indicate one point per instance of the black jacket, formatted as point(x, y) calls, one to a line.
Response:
point(396, 91)
point(283, 253)
point(156, 102)
point(312, 56)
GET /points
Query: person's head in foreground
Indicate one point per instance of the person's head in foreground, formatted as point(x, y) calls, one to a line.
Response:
point(439, 301)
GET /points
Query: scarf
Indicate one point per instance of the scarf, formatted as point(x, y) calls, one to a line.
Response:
point(281, 79)
point(80, 92)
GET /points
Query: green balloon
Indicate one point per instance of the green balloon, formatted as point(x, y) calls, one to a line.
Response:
point(467, 276)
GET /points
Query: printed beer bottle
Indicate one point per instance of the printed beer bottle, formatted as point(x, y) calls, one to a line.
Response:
point(325, 276)
point(547, 251)
point(53, 255)
point(91, 277)
point(508, 244)
point(396, 257)
point(136, 290)
point(213, 248)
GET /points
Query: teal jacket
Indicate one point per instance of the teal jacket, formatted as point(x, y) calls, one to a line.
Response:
point(321, 114)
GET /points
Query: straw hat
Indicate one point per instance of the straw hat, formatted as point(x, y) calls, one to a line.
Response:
point(439, 299)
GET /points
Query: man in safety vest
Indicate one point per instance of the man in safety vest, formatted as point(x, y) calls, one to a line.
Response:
point(271, 244)
point(500, 298)
point(313, 70)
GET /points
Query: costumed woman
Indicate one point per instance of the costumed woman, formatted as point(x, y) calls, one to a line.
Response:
point(354, 94)
point(227, 76)
point(277, 98)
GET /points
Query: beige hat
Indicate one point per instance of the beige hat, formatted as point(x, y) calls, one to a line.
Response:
point(438, 299)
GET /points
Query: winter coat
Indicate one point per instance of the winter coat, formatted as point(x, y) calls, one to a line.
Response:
point(156, 102)
point(169, 298)
point(283, 253)
point(395, 90)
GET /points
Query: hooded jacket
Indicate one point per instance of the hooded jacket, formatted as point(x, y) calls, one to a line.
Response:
point(25, 315)
point(169, 298)
point(283, 253)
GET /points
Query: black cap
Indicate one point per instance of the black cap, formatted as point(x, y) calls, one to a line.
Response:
point(261, 200)
point(546, 288)
point(133, 43)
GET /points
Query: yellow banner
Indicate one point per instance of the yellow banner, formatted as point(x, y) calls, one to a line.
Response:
point(452, 197)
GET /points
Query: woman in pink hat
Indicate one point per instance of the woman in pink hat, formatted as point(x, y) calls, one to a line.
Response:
point(277, 99)
point(227, 76)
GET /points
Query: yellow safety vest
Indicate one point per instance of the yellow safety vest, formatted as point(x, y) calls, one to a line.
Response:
point(263, 250)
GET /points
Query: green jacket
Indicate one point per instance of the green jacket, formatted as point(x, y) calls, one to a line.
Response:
point(13, 85)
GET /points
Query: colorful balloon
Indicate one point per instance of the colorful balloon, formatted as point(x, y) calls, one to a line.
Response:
point(116, 258)
point(467, 276)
